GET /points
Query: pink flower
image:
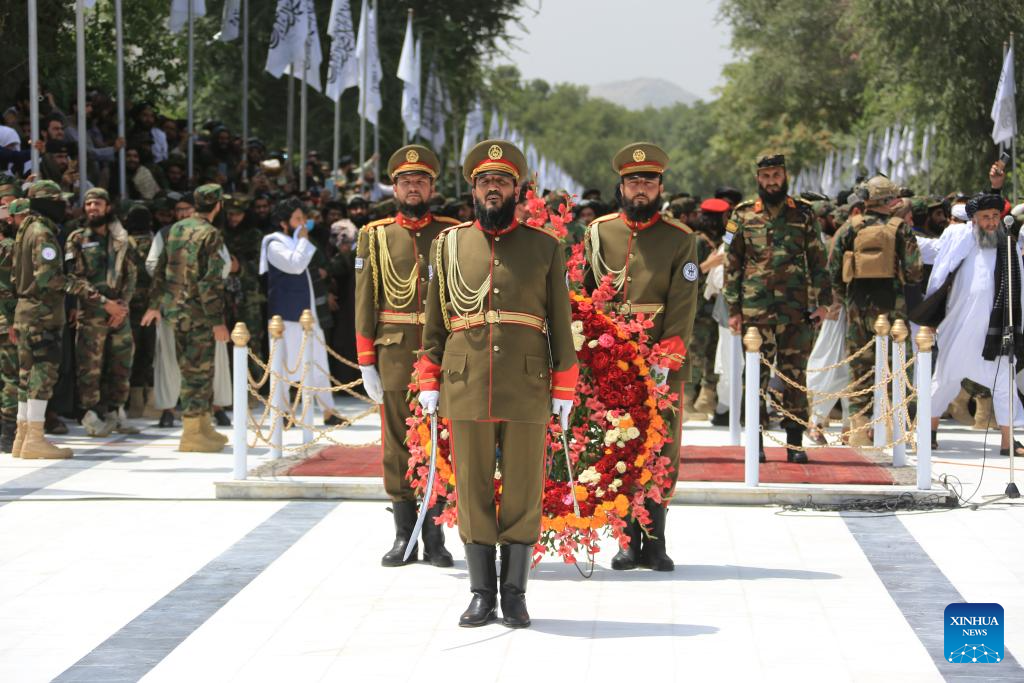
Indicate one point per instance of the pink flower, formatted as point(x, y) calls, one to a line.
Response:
point(606, 340)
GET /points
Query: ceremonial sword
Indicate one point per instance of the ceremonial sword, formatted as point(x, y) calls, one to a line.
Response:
point(425, 505)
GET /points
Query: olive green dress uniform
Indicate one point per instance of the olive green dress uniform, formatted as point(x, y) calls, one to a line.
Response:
point(775, 274)
point(498, 364)
point(8, 349)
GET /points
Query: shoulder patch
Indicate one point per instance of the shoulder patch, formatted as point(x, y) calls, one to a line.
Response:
point(677, 224)
point(542, 229)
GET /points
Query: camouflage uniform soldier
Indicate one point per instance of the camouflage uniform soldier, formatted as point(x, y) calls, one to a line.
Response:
point(139, 223)
point(102, 274)
point(704, 340)
point(188, 283)
point(18, 210)
point(38, 277)
point(873, 259)
point(391, 289)
point(652, 261)
point(777, 281)
point(245, 300)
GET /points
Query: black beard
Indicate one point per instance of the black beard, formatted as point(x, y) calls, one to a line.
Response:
point(360, 221)
point(493, 220)
point(640, 213)
point(413, 211)
point(774, 198)
point(98, 221)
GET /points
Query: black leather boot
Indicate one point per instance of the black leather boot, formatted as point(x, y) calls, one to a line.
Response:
point(760, 448)
point(483, 583)
point(434, 551)
point(654, 555)
point(516, 559)
point(7, 429)
point(405, 520)
point(795, 437)
point(628, 558)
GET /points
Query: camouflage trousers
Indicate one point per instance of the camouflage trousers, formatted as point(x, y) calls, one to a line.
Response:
point(9, 375)
point(195, 348)
point(701, 351)
point(39, 354)
point(787, 347)
point(104, 357)
point(860, 329)
point(251, 313)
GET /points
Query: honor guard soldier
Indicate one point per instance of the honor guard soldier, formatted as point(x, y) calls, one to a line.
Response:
point(776, 280)
point(651, 259)
point(496, 347)
point(391, 289)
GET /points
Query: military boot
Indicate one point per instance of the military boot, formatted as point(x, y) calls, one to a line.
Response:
point(690, 412)
point(434, 551)
point(984, 417)
point(516, 559)
point(96, 426)
point(860, 434)
point(628, 557)
point(206, 425)
point(706, 401)
point(20, 430)
point(959, 409)
point(120, 421)
point(36, 447)
point(192, 438)
point(8, 427)
point(136, 402)
point(654, 555)
point(483, 583)
point(405, 520)
point(795, 437)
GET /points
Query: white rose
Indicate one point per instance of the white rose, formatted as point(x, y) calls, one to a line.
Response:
point(616, 483)
point(599, 493)
point(592, 343)
point(632, 433)
point(577, 326)
point(620, 467)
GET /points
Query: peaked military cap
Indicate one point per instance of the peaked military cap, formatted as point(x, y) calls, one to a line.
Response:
point(414, 159)
point(640, 157)
point(44, 189)
point(207, 196)
point(97, 193)
point(494, 156)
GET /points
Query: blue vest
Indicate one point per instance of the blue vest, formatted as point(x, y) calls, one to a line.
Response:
point(287, 294)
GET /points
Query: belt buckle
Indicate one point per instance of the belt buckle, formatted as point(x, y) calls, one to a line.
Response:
point(492, 317)
point(625, 308)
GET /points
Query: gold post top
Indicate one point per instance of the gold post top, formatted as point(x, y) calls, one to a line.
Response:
point(882, 326)
point(240, 335)
point(752, 340)
point(276, 327)
point(925, 339)
point(900, 331)
point(306, 320)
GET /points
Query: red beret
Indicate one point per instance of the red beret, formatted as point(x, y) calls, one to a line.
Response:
point(714, 205)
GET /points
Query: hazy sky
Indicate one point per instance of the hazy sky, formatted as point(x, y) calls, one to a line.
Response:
point(595, 41)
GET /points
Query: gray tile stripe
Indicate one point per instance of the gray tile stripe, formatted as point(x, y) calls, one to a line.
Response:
point(921, 591)
point(130, 653)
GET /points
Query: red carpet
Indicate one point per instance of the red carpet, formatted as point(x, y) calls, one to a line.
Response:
point(699, 463)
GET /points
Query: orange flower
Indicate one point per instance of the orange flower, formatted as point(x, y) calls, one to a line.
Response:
point(639, 462)
point(645, 476)
point(581, 492)
point(599, 519)
point(578, 522)
point(623, 365)
point(621, 505)
point(556, 524)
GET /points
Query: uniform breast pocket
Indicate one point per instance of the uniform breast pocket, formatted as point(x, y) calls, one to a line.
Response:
point(537, 369)
point(453, 366)
point(389, 339)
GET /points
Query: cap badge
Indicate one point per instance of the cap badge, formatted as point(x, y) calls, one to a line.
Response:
point(639, 155)
point(412, 156)
point(494, 152)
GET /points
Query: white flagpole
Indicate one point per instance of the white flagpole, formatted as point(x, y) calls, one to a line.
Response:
point(376, 126)
point(33, 79)
point(1013, 146)
point(363, 22)
point(245, 76)
point(80, 59)
point(303, 109)
point(290, 124)
point(191, 90)
point(337, 144)
point(119, 30)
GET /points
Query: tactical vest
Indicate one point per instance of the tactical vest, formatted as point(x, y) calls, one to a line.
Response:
point(874, 251)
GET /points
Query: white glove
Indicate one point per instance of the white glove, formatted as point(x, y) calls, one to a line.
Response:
point(372, 383)
point(659, 375)
point(428, 400)
point(562, 408)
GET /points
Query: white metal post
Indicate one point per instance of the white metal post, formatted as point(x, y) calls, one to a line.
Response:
point(752, 386)
point(33, 80)
point(190, 112)
point(119, 30)
point(240, 404)
point(899, 394)
point(308, 412)
point(924, 340)
point(735, 388)
point(882, 328)
point(278, 393)
point(83, 161)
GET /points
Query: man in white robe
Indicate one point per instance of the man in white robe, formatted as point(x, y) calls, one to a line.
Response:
point(962, 334)
point(285, 257)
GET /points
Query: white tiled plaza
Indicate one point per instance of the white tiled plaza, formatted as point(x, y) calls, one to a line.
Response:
point(120, 565)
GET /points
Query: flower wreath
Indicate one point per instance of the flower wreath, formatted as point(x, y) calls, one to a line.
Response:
point(615, 434)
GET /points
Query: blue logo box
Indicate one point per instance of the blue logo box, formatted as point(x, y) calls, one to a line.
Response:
point(973, 633)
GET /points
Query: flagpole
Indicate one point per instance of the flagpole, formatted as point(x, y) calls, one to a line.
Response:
point(337, 145)
point(33, 80)
point(376, 126)
point(80, 59)
point(1013, 141)
point(364, 21)
point(245, 76)
point(303, 109)
point(119, 30)
point(290, 124)
point(191, 88)
point(405, 130)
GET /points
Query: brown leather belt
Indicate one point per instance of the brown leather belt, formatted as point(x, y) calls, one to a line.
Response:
point(628, 308)
point(401, 318)
point(499, 318)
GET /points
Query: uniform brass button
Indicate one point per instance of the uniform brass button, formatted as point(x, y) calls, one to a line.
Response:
point(629, 278)
point(497, 348)
point(497, 239)
point(417, 234)
point(634, 234)
point(497, 291)
point(497, 262)
point(387, 340)
point(632, 255)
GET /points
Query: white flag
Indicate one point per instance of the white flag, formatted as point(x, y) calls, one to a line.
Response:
point(312, 73)
point(909, 159)
point(342, 67)
point(229, 22)
point(369, 66)
point(1004, 108)
point(926, 160)
point(493, 126)
point(287, 40)
point(869, 154)
point(409, 74)
point(435, 110)
point(474, 126)
point(179, 13)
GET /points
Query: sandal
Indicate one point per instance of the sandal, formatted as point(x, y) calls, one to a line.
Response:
point(1018, 450)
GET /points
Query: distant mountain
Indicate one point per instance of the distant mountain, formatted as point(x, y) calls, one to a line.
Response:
point(641, 93)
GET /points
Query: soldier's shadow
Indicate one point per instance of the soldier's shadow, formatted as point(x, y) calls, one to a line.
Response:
point(555, 571)
point(599, 629)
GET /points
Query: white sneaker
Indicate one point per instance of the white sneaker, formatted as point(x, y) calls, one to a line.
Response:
point(94, 426)
point(120, 422)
